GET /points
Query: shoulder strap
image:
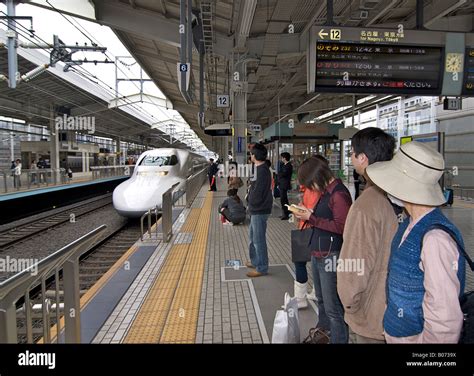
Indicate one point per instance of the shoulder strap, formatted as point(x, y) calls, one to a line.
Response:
point(451, 233)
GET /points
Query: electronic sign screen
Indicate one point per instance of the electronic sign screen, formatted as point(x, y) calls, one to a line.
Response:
point(468, 84)
point(378, 68)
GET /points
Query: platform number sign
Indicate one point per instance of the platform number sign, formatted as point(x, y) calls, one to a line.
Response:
point(223, 101)
point(183, 67)
point(335, 34)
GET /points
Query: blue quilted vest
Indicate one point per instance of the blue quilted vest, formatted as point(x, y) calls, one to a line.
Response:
point(405, 291)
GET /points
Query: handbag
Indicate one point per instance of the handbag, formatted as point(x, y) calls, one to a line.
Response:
point(286, 327)
point(301, 246)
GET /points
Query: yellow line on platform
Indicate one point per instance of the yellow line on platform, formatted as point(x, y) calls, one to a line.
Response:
point(191, 221)
point(169, 313)
point(87, 297)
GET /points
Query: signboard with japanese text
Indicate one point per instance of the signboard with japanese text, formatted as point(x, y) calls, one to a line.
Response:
point(468, 84)
point(357, 67)
point(379, 61)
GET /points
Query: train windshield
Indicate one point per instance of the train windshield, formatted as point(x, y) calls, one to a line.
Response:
point(159, 160)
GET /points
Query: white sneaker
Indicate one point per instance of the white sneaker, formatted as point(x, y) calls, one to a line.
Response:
point(311, 295)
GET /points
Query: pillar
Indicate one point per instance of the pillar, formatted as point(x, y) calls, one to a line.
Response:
point(117, 150)
point(54, 144)
point(239, 111)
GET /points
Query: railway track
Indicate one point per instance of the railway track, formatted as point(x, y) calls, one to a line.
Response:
point(26, 230)
point(92, 266)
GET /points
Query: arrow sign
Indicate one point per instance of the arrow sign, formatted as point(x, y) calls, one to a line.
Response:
point(322, 34)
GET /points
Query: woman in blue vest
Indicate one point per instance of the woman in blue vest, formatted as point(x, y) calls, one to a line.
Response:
point(327, 219)
point(426, 271)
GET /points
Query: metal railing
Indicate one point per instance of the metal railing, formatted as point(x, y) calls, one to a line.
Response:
point(194, 185)
point(20, 285)
point(463, 193)
point(99, 172)
point(166, 212)
point(147, 215)
point(172, 198)
point(36, 178)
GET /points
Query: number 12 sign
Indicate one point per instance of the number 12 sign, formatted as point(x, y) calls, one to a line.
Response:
point(223, 101)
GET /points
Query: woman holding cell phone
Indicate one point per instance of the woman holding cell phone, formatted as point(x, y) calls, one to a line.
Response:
point(328, 218)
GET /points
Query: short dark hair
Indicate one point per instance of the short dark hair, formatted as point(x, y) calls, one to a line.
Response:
point(259, 151)
point(286, 155)
point(232, 192)
point(376, 144)
point(314, 171)
point(321, 158)
point(211, 160)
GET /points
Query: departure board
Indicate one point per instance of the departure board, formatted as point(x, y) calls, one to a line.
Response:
point(378, 68)
point(468, 84)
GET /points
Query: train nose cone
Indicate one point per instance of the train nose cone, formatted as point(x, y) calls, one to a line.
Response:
point(133, 198)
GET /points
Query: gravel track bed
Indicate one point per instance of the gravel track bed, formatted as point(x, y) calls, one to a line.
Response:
point(42, 245)
point(48, 213)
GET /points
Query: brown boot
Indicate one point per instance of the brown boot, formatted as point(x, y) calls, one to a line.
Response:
point(254, 273)
point(248, 264)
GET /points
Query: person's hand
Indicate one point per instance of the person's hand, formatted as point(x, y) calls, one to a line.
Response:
point(303, 215)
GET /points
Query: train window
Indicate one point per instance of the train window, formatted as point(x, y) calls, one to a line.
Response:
point(174, 160)
point(158, 161)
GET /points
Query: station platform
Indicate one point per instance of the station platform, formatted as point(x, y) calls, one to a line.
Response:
point(191, 291)
point(19, 204)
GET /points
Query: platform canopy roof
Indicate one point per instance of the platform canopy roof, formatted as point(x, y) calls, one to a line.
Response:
point(256, 31)
point(70, 93)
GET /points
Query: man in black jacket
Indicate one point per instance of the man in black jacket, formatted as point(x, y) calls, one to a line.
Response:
point(260, 202)
point(211, 173)
point(284, 183)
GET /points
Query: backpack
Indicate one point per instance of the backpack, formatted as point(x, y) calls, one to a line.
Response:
point(467, 299)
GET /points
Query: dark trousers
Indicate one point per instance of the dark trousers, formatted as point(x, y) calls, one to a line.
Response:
point(227, 215)
point(331, 311)
point(284, 201)
point(301, 272)
point(212, 186)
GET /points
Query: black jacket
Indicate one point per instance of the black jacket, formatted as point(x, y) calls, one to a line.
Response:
point(284, 176)
point(260, 197)
point(212, 170)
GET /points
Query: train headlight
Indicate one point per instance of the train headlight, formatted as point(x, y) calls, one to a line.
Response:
point(162, 173)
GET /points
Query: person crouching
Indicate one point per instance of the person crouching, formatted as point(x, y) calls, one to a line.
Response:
point(232, 210)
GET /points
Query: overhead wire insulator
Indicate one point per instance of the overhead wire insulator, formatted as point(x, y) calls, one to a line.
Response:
point(34, 73)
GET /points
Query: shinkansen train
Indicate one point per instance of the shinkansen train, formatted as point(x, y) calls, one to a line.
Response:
point(155, 172)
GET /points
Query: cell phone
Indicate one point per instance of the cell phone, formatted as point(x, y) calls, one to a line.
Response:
point(295, 209)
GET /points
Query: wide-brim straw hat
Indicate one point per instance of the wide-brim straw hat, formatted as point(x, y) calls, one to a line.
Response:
point(412, 175)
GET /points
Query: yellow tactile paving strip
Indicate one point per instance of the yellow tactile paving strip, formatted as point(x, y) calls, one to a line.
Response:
point(87, 297)
point(191, 221)
point(169, 313)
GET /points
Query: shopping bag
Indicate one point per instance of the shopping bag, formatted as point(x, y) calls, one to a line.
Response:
point(286, 328)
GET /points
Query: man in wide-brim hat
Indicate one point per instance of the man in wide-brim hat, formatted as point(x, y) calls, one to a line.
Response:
point(426, 272)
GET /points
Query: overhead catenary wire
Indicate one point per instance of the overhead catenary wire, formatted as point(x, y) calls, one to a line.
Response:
point(93, 40)
point(140, 109)
point(75, 104)
point(107, 87)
